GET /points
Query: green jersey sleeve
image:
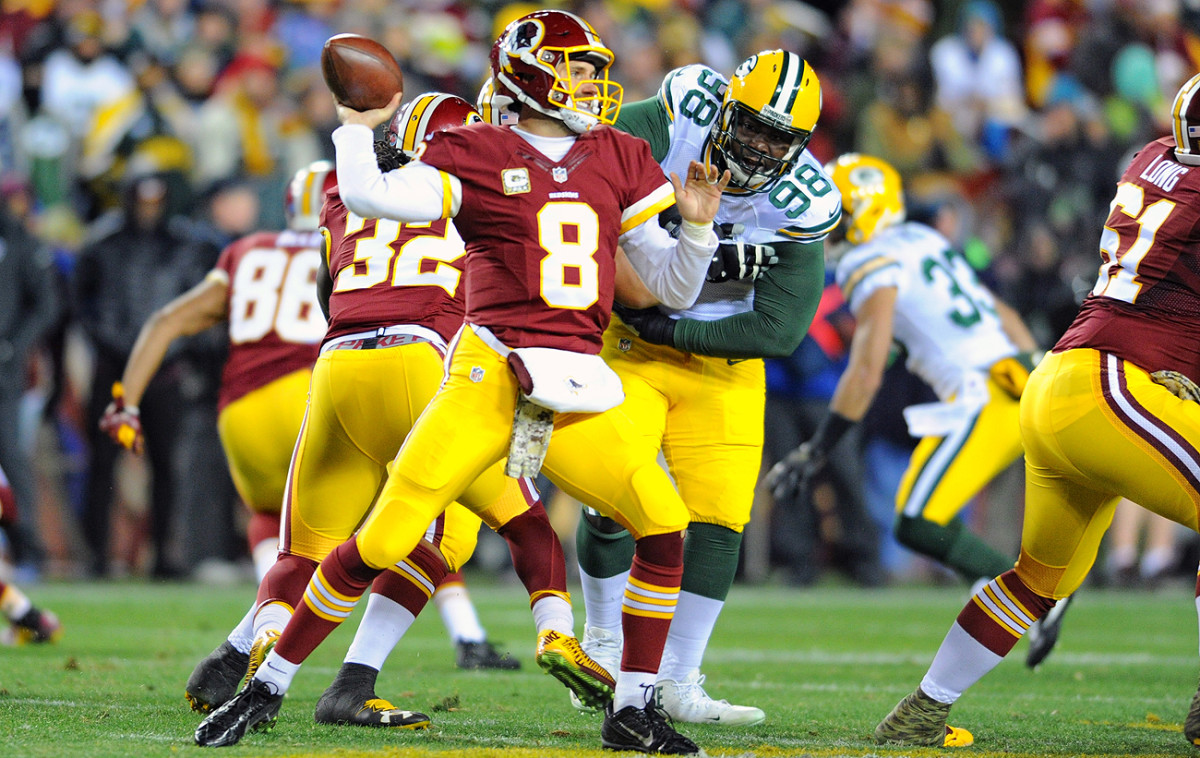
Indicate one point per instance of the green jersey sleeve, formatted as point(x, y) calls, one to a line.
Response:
point(648, 119)
point(785, 302)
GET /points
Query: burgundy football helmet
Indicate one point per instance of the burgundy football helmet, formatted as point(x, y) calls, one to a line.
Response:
point(305, 194)
point(1185, 122)
point(525, 65)
point(426, 114)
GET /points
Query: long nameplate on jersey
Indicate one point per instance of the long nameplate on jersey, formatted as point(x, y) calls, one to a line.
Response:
point(532, 425)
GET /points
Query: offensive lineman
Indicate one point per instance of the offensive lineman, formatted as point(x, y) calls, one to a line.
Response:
point(1110, 412)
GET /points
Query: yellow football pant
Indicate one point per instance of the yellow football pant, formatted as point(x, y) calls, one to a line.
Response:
point(1097, 428)
point(944, 473)
point(600, 458)
point(258, 432)
point(361, 406)
point(705, 413)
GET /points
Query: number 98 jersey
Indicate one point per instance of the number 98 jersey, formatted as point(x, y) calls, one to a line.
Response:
point(803, 206)
point(944, 317)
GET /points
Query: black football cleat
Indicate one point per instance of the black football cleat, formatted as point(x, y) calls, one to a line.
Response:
point(645, 730)
point(1043, 635)
point(481, 655)
point(255, 707)
point(216, 678)
point(351, 699)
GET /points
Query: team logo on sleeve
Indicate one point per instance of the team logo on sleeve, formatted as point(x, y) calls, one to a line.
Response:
point(515, 181)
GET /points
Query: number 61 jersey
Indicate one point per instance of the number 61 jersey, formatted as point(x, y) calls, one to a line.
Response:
point(944, 317)
point(1145, 306)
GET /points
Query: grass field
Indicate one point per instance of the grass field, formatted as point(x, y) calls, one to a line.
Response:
point(825, 665)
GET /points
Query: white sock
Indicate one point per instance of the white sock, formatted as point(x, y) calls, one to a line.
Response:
point(631, 689)
point(14, 603)
point(272, 616)
point(382, 626)
point(277, 672)
point(695, 617)
point(960, 662)
point(264, 555)
point(1156, 561)
point(602, 598)
point(554, 612)
point(458, 613)
point(242, 636)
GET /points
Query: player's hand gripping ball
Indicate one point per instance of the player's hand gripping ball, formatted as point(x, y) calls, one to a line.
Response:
point(360, 72)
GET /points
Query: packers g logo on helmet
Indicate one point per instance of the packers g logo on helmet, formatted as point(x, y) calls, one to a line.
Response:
point(872, 196)
point(767, 117)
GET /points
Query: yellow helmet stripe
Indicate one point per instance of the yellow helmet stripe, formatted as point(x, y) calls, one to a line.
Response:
point(1182, 102)
point(414, 129)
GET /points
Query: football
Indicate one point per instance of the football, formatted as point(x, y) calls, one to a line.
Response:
point(360, 72)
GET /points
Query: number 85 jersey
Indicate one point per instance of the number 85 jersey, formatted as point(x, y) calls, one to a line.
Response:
point(945, 318)
point(803, 206)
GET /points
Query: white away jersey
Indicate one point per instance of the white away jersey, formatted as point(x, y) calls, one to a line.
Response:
point(803, 206)
point(945, 318)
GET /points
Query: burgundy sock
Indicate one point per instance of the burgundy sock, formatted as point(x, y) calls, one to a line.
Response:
point(262, 526)
point(1003, 593)
point(650, 597)
point(338, 583)
point(413, 590)
point(286, 580)
point(537, 554)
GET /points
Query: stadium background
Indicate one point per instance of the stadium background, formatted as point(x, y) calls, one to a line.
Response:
point(1013, 157)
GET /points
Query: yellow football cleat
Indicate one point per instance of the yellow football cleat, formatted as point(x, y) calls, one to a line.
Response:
point(561, 656)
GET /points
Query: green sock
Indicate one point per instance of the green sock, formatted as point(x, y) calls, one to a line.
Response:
point(710, 560)
point(953, 545)
point(603, 547)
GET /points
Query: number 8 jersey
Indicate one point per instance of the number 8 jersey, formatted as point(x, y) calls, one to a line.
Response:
point(944, 317)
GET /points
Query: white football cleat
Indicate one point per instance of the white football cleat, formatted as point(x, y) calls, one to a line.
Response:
point(687, 701)
point(603, 647)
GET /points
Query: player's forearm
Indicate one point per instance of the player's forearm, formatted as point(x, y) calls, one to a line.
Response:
point(194, 311)
point(672, 270)
point(415, 193)
point(785, 302)
point(648, 119)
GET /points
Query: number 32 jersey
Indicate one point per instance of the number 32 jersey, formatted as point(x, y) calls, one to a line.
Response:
point(1145, 307)
point(803, 206)
point(944, 317)
point(275, 322)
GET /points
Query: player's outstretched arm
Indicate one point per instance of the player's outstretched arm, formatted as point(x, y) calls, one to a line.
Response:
point(199, 308)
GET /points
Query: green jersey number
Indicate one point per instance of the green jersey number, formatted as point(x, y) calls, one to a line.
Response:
point(968, 297)
point(699, 104)
point(788, 190)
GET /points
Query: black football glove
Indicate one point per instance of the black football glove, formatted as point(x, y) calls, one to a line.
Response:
point(648, 323)
point(793, 476)
point(734, 259)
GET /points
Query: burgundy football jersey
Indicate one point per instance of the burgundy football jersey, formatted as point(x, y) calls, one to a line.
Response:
point(541, 236)
point(386, 273)
point(275, 321)
point(1145, 307)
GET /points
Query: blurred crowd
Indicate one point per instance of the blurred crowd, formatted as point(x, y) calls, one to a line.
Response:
point(139, 137)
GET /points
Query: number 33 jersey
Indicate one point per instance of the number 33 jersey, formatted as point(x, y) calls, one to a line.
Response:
point(803, 206)
point(275, 322)
point(1145, 306)
point(944, 317)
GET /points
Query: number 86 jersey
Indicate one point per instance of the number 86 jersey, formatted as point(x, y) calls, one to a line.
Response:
point(945, 318)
